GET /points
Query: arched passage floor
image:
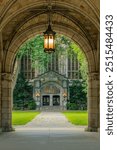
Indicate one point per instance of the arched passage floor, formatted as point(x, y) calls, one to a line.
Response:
point(50, 130)
point(21, 20)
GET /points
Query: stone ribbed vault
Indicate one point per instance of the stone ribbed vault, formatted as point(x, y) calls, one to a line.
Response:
point(22, 19)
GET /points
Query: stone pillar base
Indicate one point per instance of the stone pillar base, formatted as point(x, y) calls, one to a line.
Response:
point(8, 129)
point(38, 108)
point(0, 130)
point(92, 129)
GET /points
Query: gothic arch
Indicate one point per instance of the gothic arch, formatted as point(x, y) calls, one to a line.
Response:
point(21, 20)
point(27, 34)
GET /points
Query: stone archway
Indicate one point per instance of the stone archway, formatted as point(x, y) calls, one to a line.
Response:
point(22, 20)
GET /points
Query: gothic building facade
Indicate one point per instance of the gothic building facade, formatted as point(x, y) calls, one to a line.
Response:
point(51, 84)
point(62, 64)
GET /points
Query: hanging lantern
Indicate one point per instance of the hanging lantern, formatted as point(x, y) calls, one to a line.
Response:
point(49, 34)
point(49, 40)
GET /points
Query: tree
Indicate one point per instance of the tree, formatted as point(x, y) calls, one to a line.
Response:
point(63, 46)
point(78, 95)
point(83, 65)
point(34, 47)
point(22, 95)
point(82, 60)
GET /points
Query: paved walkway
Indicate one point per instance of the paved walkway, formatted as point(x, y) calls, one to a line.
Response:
point(50, 120)
point(49, 131)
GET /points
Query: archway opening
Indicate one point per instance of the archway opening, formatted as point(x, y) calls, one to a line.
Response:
point(64, 73)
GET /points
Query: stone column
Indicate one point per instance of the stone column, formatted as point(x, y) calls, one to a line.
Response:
point(6, 102)
point(0, 101)
point(1, 57)
point(93, 102)
point(51, 100)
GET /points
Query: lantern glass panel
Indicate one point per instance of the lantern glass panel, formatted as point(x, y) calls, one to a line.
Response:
point(51, 42)
point(45, 41)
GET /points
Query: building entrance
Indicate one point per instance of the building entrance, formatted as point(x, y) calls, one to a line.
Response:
point(56, 100)
point(46, 100)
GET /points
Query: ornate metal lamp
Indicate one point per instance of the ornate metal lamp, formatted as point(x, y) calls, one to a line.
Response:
point(49, 38)
point(64, 100)
point(64, 95)
point(37, 94)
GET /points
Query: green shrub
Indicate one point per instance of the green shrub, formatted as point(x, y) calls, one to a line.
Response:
point(23, 95)
point(72, 106)
point(78, 94)
point(32, 105)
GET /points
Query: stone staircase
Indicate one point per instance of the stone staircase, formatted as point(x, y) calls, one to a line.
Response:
point(52, 108)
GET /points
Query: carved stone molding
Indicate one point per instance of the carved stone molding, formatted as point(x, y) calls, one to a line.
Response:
point(1, 47)
point(7, 76)
point(93, 76)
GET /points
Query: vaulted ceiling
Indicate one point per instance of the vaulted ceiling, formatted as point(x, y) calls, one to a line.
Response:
point(18, 16)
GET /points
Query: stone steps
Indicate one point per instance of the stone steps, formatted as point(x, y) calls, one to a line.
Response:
point(52, 108)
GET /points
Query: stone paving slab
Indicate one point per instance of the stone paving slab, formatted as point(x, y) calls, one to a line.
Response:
point(43, 133)
point(57, 139)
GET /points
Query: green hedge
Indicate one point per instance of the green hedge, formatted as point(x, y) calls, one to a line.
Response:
point(74, 106)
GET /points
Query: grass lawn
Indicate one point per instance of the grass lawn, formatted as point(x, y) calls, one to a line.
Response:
point(77, 117)
point(23, 117)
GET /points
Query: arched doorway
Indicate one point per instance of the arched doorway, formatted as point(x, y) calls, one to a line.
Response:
point(51, 86)
point(22, 20)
